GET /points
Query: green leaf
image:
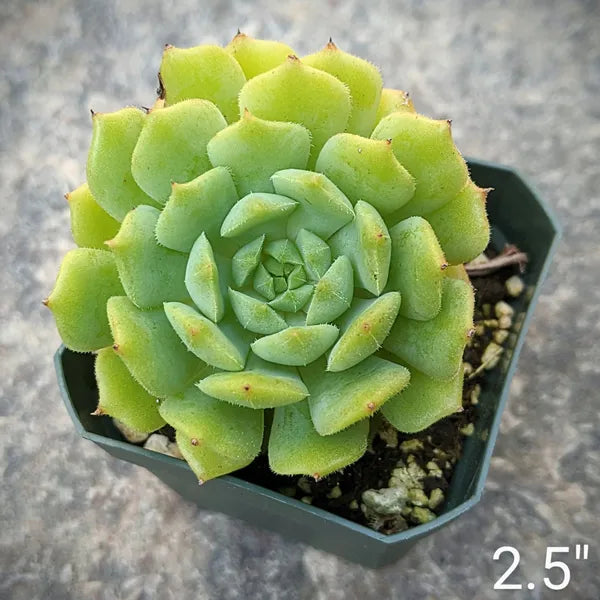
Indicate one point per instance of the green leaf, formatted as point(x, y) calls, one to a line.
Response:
point(320, 101)
point(257, 56)
point(228, 430)
point(223, 346)
point(151, 350)
point(435, 347)
point(264, 283)
point(205, 463)
point(253, 149)
point(424, 147)
point(255, 315)
point(296, 345)
point(417, 268)
point(462, 225)
point(109, 176)
point(255, 211)
point(87, 278)
point(316, 254)
point(296, 278)
point(199, 205)
point(260, 385)
point(424, 402)
point(245, 261)
point(366, 241)
point(202, 72)
point(283, 251)
point(295, 447)
point(151, 274)
point(322, 207)
point(333, 293)
point(362, 78)
point(293, 300)
point(172, 146)
point(366, 170)
point(366, 325)
point(91, 225)
point(337, 400)
point(202, 280)
point(122, 397)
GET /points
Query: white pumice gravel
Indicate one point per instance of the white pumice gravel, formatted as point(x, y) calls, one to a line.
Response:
point(514, 286)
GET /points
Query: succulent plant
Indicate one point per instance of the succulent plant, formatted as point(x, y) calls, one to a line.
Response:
point(270, 255)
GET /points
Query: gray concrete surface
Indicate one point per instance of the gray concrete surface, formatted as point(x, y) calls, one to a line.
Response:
point(521, 81)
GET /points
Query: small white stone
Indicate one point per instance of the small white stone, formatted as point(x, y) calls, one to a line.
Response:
point(503, 309)
point(475, 394)
point(468, 429)
point(304, 484)
point(407, 476)
point(434, 469)
point(175, 451)
point(389, 435)
point(417, 497)
point(436, 498)
point(422, 515)
point(353, 505)
point(335, 492)
point(491, 355)
point(505, 322)
point(129, 433)
point(158, 442)
point(387, 501)
point(514, 286)
point(306, 499)
point(500, 336)
point(411, 445)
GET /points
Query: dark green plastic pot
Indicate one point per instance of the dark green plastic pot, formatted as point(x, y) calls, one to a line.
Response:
point(519, 216)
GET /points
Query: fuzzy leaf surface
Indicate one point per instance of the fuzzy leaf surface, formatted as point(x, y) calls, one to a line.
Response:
point(122, 397)
point(87, 278)
point(424, 402)
point(417, 268)
point(151, 274)
point(172, 146)
point(198, 205)
point(435, 347)
point(295, 447)
point(337, 400)
point(151, 350)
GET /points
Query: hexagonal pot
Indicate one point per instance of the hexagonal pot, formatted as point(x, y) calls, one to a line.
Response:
point(517, 215)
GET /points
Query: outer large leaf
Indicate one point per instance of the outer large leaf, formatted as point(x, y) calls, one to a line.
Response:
point(337, 400)
point(231, 431)
point(424, 147)
point(172, 146)
point(86, 280)
point(424, 401)
point(295, 448)
point(122, 397)
point(435, 347)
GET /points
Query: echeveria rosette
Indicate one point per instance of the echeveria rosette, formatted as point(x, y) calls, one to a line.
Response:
point(284, 241)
